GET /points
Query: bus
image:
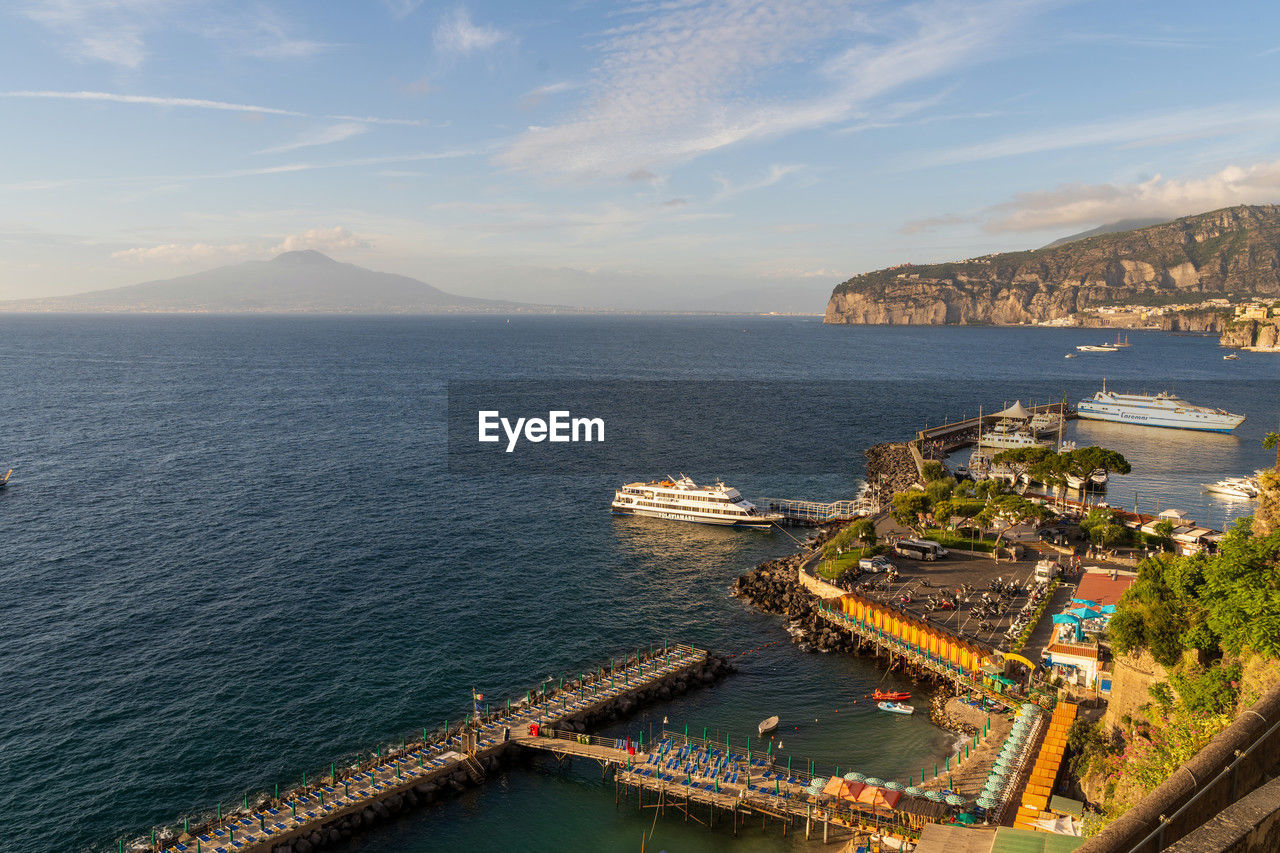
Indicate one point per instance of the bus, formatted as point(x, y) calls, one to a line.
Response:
point(919, 549)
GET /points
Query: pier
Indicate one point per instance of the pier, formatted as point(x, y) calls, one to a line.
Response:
point(813, 513)
point(952, 436)
point(425, 767)
point(704, 780)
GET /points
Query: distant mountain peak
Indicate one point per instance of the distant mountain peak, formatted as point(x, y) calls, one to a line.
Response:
point(303, 256)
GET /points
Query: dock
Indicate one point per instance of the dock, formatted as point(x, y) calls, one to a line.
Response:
point(952, 436)
point(703, 780)
point(426, 765)
point(814, 513)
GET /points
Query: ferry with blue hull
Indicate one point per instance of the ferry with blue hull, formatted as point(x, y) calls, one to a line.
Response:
point(685, 500)
point(1158, 410)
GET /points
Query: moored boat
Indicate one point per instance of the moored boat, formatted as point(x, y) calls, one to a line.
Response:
point(1161, 410)
point(768, 726)
point(890, 696)
point(895, 708)
point(1096, 348)
point(685, 500)
point(4, 481)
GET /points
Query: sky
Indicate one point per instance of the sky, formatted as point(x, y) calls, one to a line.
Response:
point(657, 154)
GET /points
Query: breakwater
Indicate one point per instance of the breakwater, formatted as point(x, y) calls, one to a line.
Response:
point(348, 800)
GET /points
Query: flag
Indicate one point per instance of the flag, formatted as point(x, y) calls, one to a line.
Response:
point(478, 697)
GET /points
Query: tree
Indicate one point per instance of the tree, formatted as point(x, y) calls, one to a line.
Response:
point(1012, 510)
point(909, 509)
point(942, 513)
point(864, 530)
point(933, 470)
point(1270, 440)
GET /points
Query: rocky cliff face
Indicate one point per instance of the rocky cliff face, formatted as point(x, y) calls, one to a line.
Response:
point(1252, 333)
point(1232, 251)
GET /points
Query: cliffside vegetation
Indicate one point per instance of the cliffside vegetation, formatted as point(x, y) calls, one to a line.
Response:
point(1231, 251)
point(1214, 623)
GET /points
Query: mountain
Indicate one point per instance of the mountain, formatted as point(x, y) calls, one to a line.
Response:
point(1232, 251)
point(1109, 228)
point(292, 283)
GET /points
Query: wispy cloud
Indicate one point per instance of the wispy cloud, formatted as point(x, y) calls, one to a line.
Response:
point(776, 173)
point(283, 168)
point(1127, 132)
point(1081, 204)
point(533, 97)
point(110, 31)
point(323, 136)
point(456, 35)
point(401, 8)
point(200, 103)
point(686, 78)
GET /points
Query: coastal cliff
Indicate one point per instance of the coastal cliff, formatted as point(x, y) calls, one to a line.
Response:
point(1263, 334)
point(1234, 251)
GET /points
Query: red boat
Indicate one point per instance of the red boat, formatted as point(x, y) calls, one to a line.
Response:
point(882, 696)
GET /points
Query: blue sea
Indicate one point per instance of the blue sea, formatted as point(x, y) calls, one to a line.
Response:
point(233, 551)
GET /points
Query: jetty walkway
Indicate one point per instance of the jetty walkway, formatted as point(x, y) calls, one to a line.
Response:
point(703, 779)
point(299, 813)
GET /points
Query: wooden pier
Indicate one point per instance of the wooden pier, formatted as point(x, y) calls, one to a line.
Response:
point(703, 780)
point(462, 749)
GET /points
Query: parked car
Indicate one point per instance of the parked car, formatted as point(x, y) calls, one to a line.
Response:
point(875, 564)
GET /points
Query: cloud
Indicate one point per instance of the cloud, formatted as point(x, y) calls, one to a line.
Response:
point(686, 78)
point(321, 239)
point(776, 173)
point(642, 175)
point(1093, 204)
point(183, 253)
point(198, 103)
point(401, 8)
point(1134, 132)
point(421, 86)
point(323, 136)
point(108, 31)
point(456, 35)
point(533, 97)
point(675, 202)
point(1079, 204)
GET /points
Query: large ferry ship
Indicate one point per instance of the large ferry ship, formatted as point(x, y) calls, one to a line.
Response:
point(685, 500)
point(1162, 410)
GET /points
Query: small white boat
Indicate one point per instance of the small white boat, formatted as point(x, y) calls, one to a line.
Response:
point(1098, 476)
point(768, 726)
point(1096, 348)
point(895, 707)
point(1231, 357)
point(1070, 355)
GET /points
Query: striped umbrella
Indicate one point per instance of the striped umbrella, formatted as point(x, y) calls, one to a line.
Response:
point(855, 777)
point(915, 791)
point(935, 796)
point(895, 786)
point(874, 780)
point(986, 802)
point(954, 800)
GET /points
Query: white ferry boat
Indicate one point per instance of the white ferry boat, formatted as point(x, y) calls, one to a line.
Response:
point(685, 500)
point(1006, 440)
point(1162, 410)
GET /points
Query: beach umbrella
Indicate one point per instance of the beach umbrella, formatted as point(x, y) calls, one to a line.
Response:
point(874, 780)
point(915, 791)
point(954, 800)
point(1086, 602)
point(855, 777)
point(895, 786)
point(935, 796)
point(966, 818)
point(986, 802)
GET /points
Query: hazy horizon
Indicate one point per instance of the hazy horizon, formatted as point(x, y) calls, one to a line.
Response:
point(632, 156)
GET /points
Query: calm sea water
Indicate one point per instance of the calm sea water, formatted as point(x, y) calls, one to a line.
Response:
point(233, 552)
